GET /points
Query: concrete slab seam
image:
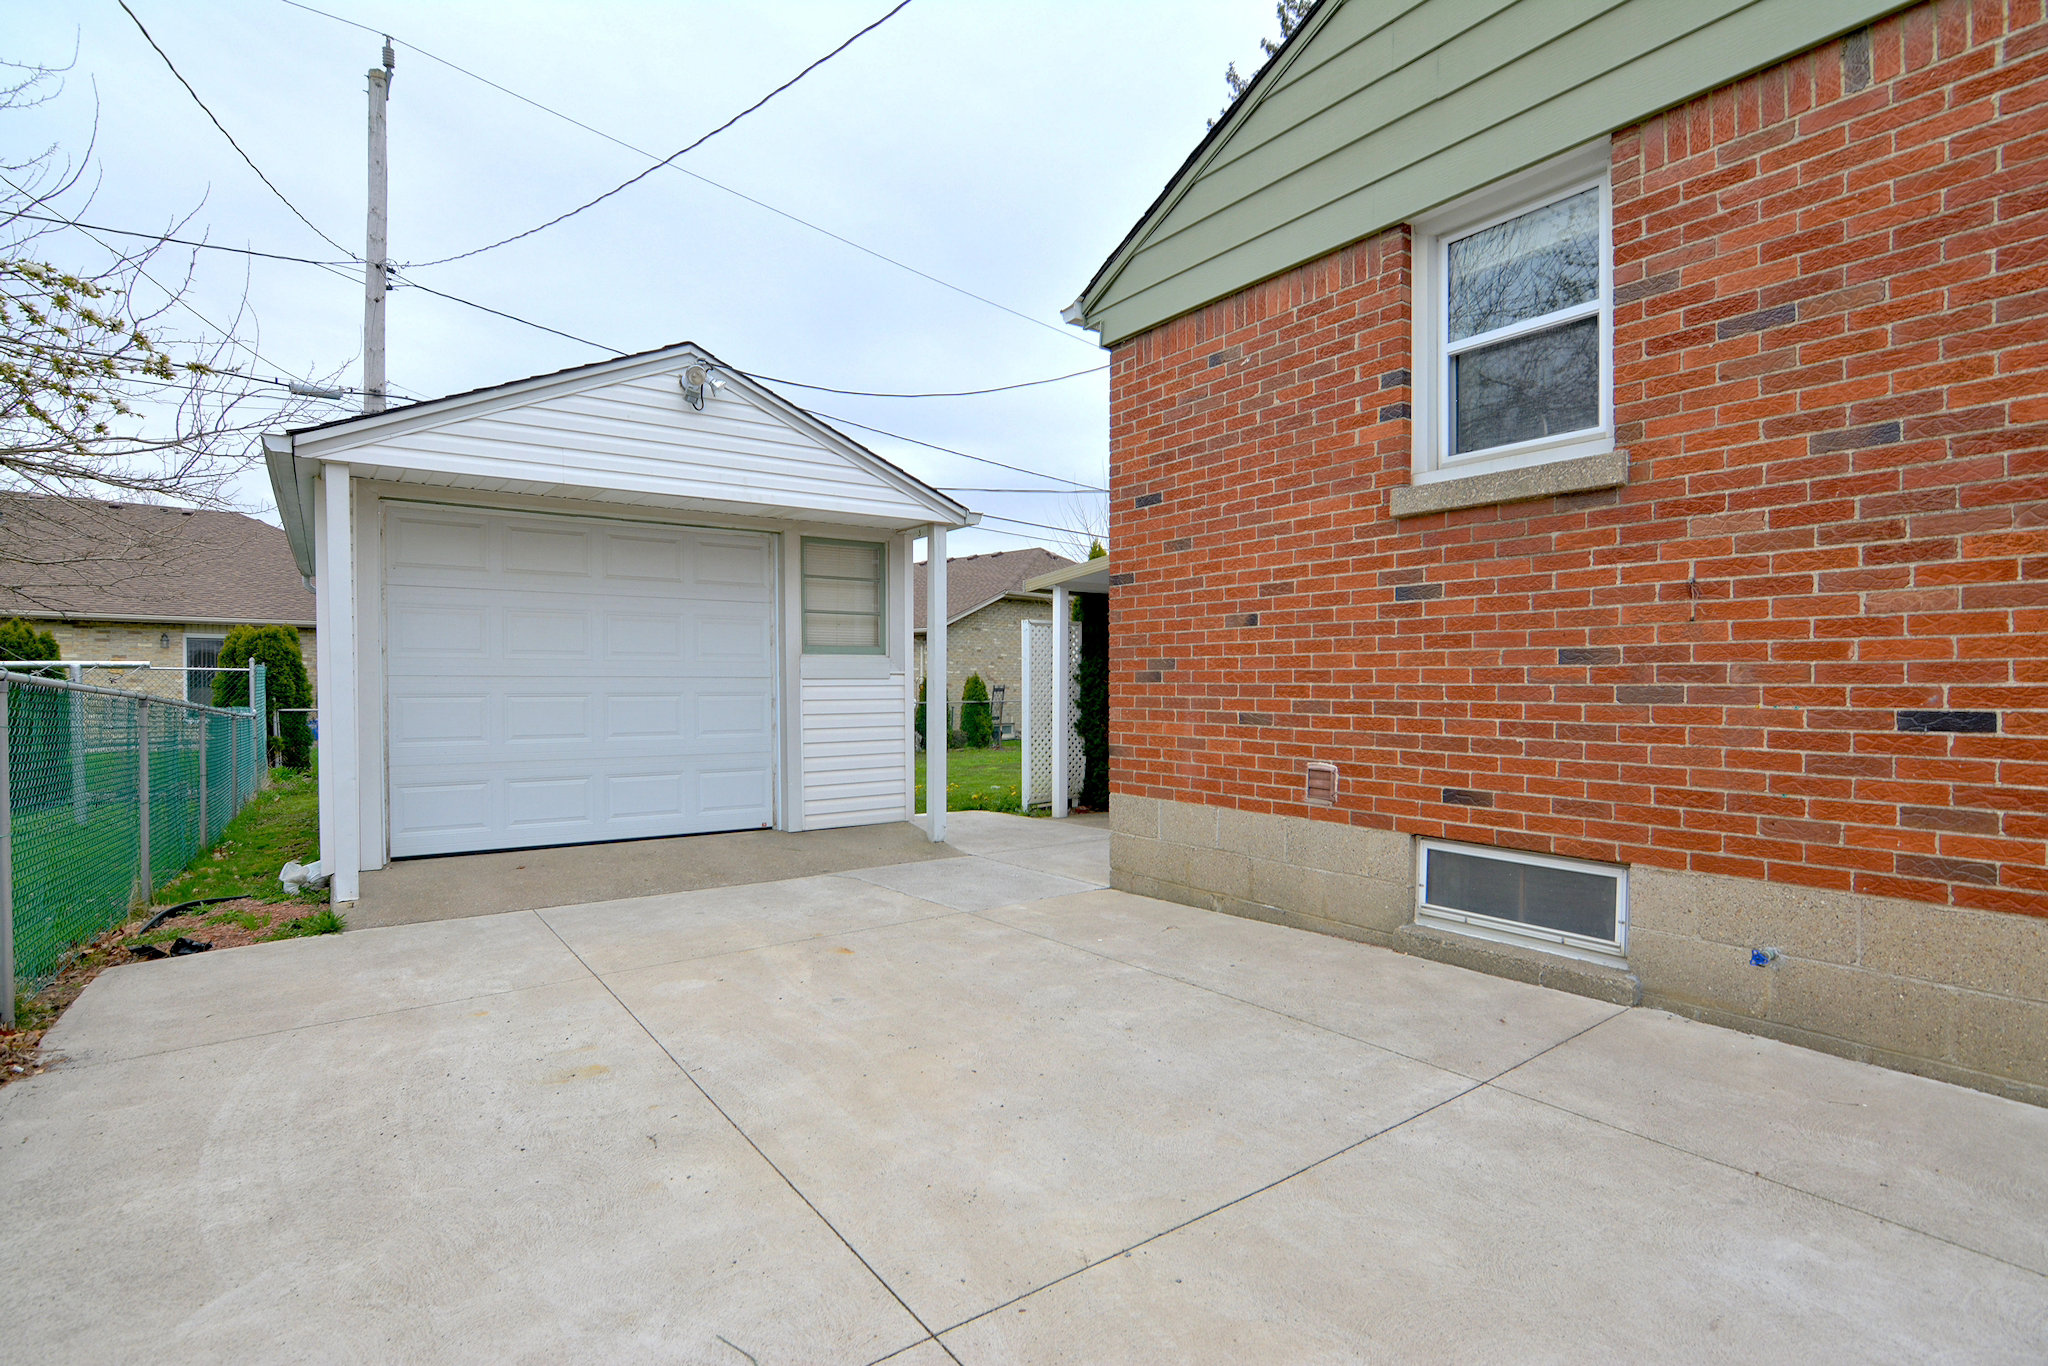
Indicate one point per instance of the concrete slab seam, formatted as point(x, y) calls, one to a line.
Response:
point(748, 1139)
point(944, 912)
point(1243, 1001)
point(66, 1064)
point(1270, 1185)
point(1755, 1175)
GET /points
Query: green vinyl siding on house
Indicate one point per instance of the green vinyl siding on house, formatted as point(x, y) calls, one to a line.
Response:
point(1380, 110)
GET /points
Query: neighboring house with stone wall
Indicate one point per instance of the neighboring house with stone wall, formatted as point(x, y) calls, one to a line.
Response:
point(986, 608)
point(139, 581)
point(1578, 481)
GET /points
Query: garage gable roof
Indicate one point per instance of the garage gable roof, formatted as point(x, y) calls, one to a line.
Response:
point(619, 430)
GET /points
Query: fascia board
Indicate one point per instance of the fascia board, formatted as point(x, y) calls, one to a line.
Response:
point(292, 488)
point(1204, 155)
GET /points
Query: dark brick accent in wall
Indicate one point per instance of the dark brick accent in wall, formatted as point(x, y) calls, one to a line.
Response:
point(1255, 718)
point(1394, 412)
point(1757, 321)
point(1395, 379)
point(1161, 664)
point(1179, 543)
point(1465, 796)
point(1148, 500)
point(1948, 722)
point(1418, 592)
point(1241, 619)
point(1589, 654)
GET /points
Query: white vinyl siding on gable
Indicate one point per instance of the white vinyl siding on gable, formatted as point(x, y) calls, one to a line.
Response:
point(1514, 323)
point(637, 440)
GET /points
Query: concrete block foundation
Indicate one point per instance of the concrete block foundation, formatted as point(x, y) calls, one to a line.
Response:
point(1958, 995)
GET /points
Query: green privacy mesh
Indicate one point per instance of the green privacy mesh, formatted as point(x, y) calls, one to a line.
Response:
point(79, 762)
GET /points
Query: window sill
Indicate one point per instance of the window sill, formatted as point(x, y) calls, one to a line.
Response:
point(1550, 480)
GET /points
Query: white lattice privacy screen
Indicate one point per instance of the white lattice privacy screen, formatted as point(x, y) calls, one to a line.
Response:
point(1038, 718)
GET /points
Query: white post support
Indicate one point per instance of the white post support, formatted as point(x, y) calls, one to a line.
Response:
point(6, 863)
point(334, 604)
point(937, 695)
point(906, 637)
point(1062, 685)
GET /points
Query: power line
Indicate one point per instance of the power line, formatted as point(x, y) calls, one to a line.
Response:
point(634, 180)
point(879, 431)
point(954, 393)
point(231, 137)
point(333, 267)
point(762, 204)
point(178, 241)
point(1079, 487)
point(408, 283)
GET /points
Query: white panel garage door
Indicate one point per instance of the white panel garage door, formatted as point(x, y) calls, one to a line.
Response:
point(558, 680)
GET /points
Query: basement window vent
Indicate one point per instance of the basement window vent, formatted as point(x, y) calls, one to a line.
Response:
point(1322, 784)
point(1565, 905)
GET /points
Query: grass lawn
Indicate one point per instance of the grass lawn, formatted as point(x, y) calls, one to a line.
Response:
point(980, 779)
point(280, 825)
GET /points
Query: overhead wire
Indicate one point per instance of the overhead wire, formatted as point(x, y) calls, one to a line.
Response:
point(282, 198)
point(335, 268)
point(762, 204)
point(631, 181)
point(1079, 486)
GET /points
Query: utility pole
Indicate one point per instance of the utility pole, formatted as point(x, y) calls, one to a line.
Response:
point(376, 269)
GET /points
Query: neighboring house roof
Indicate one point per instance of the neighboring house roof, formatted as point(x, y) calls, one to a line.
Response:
point(645, 454)
point(975, 581)
point(1372, 114)
point(82, 559)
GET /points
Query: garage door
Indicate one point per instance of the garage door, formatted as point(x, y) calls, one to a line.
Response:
point(559, 680)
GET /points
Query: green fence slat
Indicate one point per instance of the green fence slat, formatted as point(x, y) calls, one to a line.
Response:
point(75, 806)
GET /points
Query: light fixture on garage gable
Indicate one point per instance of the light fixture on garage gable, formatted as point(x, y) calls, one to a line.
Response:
point(694, 381)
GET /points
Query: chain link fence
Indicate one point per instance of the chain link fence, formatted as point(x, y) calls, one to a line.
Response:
point(105, 795)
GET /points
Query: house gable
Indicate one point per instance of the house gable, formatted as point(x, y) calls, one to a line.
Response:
point(1376, 112)
point(623, 432)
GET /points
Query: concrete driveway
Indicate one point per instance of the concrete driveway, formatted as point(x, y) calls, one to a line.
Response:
point(976, 1109)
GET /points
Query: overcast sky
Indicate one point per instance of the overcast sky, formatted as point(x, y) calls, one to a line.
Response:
point(1004, 147)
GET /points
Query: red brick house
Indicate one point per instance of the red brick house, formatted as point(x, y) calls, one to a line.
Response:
point(1580, 488)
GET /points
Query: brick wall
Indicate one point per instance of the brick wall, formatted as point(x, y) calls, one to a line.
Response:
point(1832, 382)
point(141, 640)
point(990, 642)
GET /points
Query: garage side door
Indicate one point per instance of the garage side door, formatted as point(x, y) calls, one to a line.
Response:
point(560, 680)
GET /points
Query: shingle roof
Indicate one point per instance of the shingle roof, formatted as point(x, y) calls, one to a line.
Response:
point(975, 581)
point(84, 559)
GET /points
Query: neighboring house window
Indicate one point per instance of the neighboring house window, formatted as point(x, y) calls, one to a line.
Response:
point(845, 586)
point(202, 654)
point(1566, 905)
point(1514, 323)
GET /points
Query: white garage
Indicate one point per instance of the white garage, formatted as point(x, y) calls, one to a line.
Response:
point(642, 598)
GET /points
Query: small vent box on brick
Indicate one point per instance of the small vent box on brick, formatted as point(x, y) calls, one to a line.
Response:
point(1322, 784)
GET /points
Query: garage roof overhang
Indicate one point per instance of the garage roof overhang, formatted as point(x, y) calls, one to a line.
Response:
point(382, 446)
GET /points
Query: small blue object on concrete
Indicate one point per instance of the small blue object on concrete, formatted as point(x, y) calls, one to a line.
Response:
point(1762, 958)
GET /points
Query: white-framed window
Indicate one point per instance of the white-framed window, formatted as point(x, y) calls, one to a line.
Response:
point(1514, 322)
point(846, 589)
point(202, 660)
point(1566, 905)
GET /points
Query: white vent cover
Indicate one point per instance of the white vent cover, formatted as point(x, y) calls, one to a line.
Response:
point(1322, 784)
